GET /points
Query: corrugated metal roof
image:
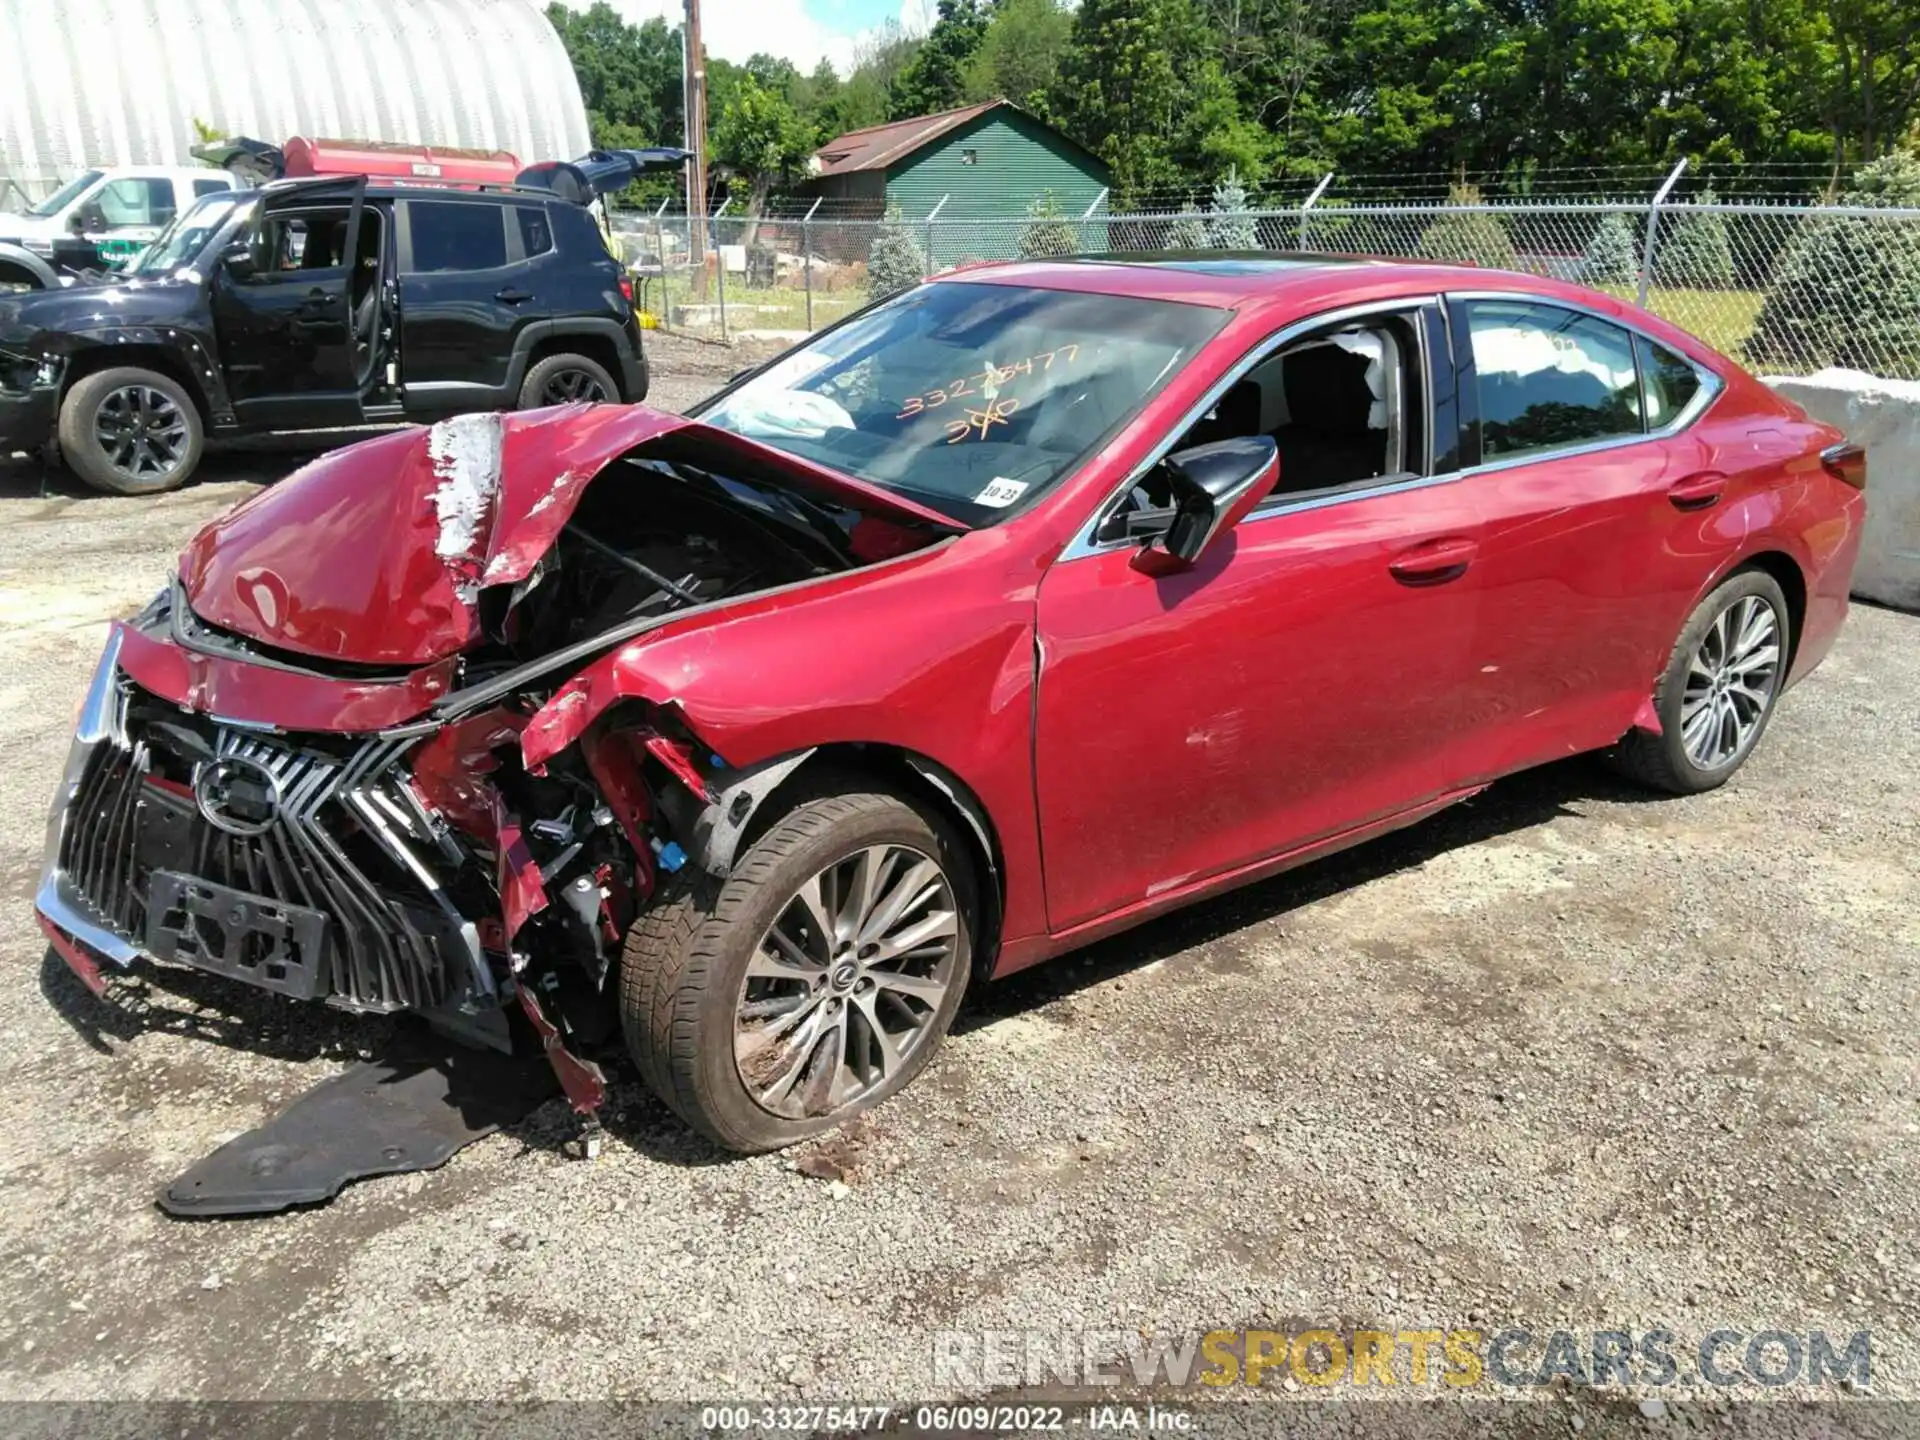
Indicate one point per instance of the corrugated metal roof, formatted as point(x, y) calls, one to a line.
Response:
point(121, 82)
point(878, 146)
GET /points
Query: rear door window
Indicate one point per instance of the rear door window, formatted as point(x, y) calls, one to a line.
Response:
point(1550, 379)
point(450, 236)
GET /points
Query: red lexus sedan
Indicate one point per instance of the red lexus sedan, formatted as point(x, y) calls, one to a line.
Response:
point(1011, 611)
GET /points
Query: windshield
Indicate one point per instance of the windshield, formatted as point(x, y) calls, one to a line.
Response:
point(970, 398)
point(65, 195)
point(183, 240)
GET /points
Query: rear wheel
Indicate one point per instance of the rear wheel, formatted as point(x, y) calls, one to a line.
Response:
point(564, 380)
point(813, 983)
point(130, 431)
point(1718, 692)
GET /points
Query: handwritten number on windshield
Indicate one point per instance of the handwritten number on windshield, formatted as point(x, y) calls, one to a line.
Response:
point(990, 379)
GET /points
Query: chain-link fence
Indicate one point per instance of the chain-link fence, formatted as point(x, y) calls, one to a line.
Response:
point(1780, 287)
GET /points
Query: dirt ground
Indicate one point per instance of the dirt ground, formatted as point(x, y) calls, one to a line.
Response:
point(1566, 1056)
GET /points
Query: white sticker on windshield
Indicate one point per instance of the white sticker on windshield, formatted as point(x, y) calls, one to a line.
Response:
point(1001, 492)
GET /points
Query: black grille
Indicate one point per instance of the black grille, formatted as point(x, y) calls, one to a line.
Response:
point(339, 814)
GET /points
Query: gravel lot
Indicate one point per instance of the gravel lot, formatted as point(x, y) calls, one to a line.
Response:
point(1565, 1056)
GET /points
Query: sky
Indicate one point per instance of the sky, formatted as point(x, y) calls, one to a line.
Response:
point(802, 31)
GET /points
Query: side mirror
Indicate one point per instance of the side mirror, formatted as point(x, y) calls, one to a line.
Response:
point(1214, 486)
point(87, 219)
point(237, 259)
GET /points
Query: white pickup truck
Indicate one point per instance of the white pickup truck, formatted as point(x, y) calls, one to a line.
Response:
point(97, 220)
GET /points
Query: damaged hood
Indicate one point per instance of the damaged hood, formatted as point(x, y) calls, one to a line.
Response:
point(376, 554)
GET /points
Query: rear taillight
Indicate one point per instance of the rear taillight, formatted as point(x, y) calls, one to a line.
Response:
point(1847, 463)
point(626, 287)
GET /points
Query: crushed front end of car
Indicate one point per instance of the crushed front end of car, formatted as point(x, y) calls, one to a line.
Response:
point(302, 765)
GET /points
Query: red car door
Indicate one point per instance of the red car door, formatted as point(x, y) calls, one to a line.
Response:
point(1592, 543)
point(1302, 680)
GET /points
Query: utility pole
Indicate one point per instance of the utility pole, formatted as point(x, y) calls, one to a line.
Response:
point(695, 71)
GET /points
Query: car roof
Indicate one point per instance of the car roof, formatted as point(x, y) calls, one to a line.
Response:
point(1280, 285)
point(400, 190)
point(1230, 279)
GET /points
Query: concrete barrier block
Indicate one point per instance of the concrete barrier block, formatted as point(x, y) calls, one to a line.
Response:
point(1884, 416)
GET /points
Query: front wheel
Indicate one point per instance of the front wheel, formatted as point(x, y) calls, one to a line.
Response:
point(813, 983)
point(1718, 691)
point(130, 431)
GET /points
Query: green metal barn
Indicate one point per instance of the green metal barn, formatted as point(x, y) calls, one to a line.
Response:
point(973, 171)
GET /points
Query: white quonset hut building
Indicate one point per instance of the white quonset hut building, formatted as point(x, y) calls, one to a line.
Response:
point(121, 82)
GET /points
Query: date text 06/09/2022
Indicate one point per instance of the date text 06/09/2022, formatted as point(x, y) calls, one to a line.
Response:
point(970, 1419)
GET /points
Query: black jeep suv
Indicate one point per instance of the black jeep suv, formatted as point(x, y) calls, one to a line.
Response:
point(310, 304)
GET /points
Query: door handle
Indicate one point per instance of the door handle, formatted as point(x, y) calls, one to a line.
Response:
point(511, 296)
point(1697, 492)
point(1433, 562)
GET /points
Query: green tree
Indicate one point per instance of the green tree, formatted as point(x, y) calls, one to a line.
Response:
point(1019, 56)
point(1048, 231)
point(1188, 232)
point(1232, 227)
point(1612, 256)
point(934, 80)
point(1465, 236)
point(895, 260)
point(1140, 84)
point(629, 75)
point(1693, 250)
point(760, 137)
point(878, 60)
point(1847, 289)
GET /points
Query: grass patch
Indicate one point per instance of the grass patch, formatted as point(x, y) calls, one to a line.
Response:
point(1722, 318)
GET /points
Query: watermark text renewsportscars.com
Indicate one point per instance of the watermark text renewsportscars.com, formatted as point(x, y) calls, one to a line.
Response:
point(1442, 1359)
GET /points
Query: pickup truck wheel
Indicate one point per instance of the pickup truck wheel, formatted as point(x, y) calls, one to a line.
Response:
point(813, 983)
point(130, 432)
point(564, 379)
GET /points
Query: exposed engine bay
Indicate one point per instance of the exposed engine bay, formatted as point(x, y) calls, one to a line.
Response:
point(410, 851)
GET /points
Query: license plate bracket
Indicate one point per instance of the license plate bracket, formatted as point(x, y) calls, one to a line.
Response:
point(254, 938)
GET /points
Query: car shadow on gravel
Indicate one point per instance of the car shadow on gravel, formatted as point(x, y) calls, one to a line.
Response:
point(192, 1005)
point(156, 999)
point(1520, 802)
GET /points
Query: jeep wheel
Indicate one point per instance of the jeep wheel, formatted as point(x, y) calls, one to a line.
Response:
point(565, 379)
point(812, 984)
point(130, 432)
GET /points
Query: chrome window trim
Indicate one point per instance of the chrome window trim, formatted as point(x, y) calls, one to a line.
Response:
point(1084, 543)
point(1711, 388)
point(1711, 385)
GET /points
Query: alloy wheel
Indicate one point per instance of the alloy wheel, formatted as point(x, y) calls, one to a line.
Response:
point(847, 982)
point(566, 386)
point(1731, 682)
point(141, 431)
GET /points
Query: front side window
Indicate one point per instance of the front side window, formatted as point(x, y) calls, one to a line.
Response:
point(1550, 378)
point(298, 243)
point(212, 185)
point(450, 236)
point(137, 200)
point(181, 242)
point(971, 398)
